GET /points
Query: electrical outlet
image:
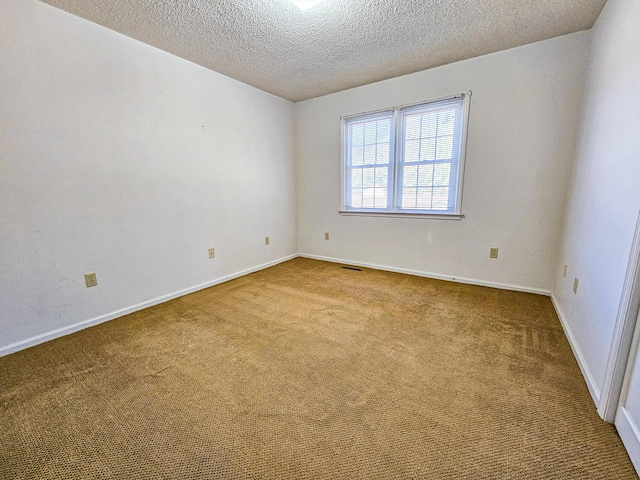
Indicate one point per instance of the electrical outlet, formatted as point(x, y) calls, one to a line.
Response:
point(575, 285)
point(90, 279)
point(212, 253)
point(493, 253)
point(326, 235)
point(564, 271)
point(266, 240)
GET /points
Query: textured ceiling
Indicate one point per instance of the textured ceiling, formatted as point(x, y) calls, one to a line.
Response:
point(337, 44)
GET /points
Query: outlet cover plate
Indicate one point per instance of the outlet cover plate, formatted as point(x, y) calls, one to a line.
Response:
point(91, 279)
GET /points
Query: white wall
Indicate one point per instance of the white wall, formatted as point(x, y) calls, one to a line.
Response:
point(523, 122)
point(604, 197)
point(120, 159)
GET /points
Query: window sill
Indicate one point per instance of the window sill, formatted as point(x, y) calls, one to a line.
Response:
point(436, 216)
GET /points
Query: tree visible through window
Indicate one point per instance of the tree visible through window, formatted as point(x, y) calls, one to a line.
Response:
point(406, 160)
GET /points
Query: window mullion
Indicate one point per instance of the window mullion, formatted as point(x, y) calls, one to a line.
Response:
point(397, 151)
point(455, 163)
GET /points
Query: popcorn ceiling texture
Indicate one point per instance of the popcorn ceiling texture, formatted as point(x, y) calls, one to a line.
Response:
point(338, 44)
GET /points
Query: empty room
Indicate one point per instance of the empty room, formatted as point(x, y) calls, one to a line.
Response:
point(319, 239)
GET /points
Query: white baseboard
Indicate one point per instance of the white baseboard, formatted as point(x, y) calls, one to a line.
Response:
point(60, 332)
point(628, 431)
point(436, 276)
point(592, 385)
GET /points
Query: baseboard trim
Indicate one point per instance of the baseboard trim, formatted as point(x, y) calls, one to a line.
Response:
point(628, 431)
point(436, 276)
point(61, 332)
point(592, 385)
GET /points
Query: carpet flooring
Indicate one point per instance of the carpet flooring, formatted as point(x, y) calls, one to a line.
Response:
point(310, 371)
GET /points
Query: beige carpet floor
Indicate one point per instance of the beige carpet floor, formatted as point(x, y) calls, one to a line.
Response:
point(310, 371)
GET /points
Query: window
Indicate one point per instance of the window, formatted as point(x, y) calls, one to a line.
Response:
point(406, 160)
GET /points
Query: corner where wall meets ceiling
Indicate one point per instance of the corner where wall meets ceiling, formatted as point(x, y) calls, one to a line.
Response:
point(337, 44)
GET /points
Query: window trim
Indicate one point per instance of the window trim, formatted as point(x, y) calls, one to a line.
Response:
point(402, 214)
point(396, 149)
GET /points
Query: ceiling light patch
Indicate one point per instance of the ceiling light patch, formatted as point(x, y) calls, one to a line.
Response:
point(306, 4)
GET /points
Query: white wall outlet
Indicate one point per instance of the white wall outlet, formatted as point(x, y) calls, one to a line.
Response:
point(266, 240)
point(575, 285)
point(212, 253)
point(326, 235)
point(90, 279)
point(564, 271)
point(493, 253)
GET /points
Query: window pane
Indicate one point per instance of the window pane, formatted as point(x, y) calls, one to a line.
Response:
point(368, 177)
point(367, 198)
point(370, 143)
point(356, 178)
point(381, 177)
point(384, 131)
point(357, 155)
point(370, 133)
point(356, 197)
point(409, 197)
point(428, 149)
point(425, 175)
point(370, 191)
point(370, 154)
point(374, 198)
point(357, 134)
point(410, 176)
point(412, 151)
point(412, 127)
point(445, 148)
point(446, 122)
point(423, 200)
point(442, 174)
point(382, 154)
point(381, 198)
point(426, 186)
point(429, 125)
point(440, 199)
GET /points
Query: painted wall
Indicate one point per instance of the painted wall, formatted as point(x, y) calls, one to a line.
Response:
point(120, 159)
point(604, 197)
point(523, 122)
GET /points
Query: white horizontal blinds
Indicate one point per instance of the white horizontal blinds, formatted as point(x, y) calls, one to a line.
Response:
point(407, 159)
point(429, 156)
point(369, 152)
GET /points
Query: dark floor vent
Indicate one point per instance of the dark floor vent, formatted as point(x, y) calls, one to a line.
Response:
point(352, 268)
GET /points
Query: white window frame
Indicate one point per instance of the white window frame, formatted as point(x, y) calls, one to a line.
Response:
point(396, 114)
